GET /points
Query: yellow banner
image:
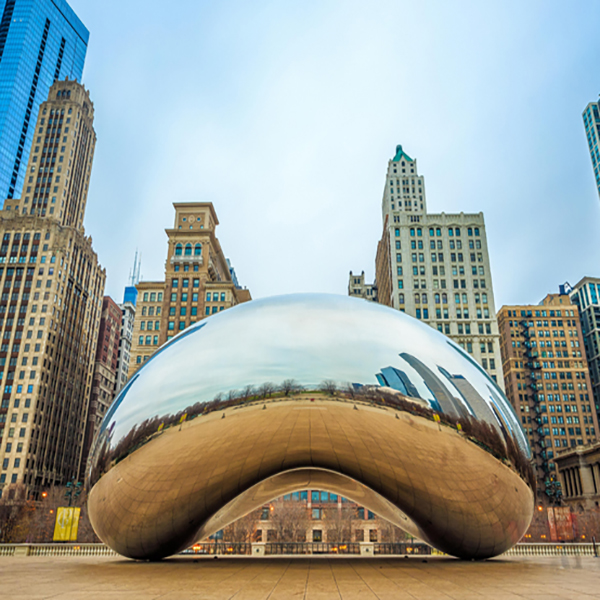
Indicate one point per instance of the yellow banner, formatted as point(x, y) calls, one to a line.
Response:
point(66, 524)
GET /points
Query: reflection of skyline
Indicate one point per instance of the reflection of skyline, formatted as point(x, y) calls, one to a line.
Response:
point(306, 337)
point(448, 403)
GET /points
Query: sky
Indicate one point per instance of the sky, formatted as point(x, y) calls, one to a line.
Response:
point(285, 114)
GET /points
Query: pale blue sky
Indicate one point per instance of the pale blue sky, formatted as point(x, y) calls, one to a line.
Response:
point(284, 115)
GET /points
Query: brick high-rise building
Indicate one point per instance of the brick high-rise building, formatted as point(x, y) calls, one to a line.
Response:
point(105, 373)
point(52, 290)
point(436, 267)
point(547, 380)
point(199, 282)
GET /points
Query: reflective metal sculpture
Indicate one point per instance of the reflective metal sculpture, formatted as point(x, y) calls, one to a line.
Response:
point(310, 391)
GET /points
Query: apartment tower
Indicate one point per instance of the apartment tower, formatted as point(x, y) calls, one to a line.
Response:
point(547, 381)
point(52, 290)
point(435, 267)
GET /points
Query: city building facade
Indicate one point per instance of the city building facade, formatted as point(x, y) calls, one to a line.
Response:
point(359, 288)
point(579, 472)
point(591, 122)
point(328, 518)
point(105, 373)
point(547, 381)
point(586, 295)
point(41, 41)
point(52, 291)
point(436, 267)
point(198, 282)
point(128, 308)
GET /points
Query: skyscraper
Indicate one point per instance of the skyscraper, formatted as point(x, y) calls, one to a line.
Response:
point(591, 121)
point(436, 267)
point(40, 41)
point(51, 303)
point(586, 295)
point(547, 380)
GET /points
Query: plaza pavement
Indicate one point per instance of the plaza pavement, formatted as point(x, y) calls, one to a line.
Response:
point(240, 578)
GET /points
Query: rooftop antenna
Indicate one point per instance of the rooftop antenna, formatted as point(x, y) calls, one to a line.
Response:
point(134, 274)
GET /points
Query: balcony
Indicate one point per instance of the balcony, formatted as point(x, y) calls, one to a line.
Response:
point(194, 260)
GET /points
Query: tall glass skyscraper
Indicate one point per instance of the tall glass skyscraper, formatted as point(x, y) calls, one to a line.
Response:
point(591, 120)
point(40, 41)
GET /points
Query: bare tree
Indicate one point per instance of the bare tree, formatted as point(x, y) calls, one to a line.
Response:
point(329, 387)
point(15, 514)
point(339, 523)
point(266, 389)
point(248, 392)
point(389, 532)
point(290, 386)
point(289, 520)
point(243, 529)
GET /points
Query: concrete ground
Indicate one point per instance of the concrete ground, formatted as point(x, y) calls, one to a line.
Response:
point(183, 578)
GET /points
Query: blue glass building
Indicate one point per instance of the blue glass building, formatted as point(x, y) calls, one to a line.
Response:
point(40, 41)
point(591, 120)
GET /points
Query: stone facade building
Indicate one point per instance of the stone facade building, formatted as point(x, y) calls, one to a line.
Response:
point(579, 472)
point(105, 373)
point(198, 282)
point(358, 288)
point(436, 267)
point(547, 380)
point(52, 290)
point(128, 308)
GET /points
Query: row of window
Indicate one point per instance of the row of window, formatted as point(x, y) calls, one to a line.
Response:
point(541, 313)
point(185, 282)
point(152, 297)
point(437, 231)
point(180, 250)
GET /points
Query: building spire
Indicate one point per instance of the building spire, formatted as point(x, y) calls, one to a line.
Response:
point(134, 274)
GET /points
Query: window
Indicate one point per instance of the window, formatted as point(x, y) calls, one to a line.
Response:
point(178, 250)
point(175, 283)
point(188, 250)
point(198, 250)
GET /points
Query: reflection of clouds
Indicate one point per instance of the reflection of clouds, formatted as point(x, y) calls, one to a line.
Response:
point(306, 337)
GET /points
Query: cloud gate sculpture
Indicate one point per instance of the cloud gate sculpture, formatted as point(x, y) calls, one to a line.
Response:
point(310, 391)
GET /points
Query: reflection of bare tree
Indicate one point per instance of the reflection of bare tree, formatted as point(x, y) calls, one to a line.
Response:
point(266, 389)
point(289, 520)
point(390, 533)
point(487, 436)
point(338, 522)
point(243, 530)
point(290, 386)
point(329, 387)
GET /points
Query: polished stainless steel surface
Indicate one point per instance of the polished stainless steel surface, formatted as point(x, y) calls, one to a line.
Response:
point(310, 391)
